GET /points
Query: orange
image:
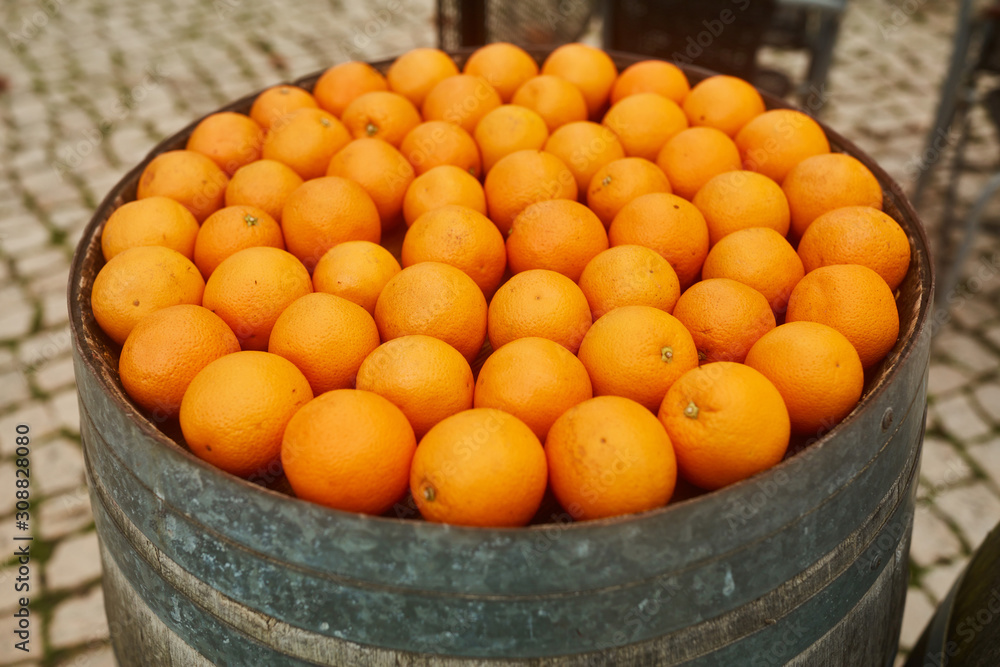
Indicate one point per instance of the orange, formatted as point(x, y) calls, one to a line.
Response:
point(645, 122)
point(381, 115)
point(139, 281)
point(560, 235)
point(504, 65)
point(619, 182)
point(539, 303)
point(235, 411)
point(265, 184)
point(760, 258)
point(694, 156)
point(436, 143)
point(230, 139)
point(609, 456)
point(151, 221)
point(737, 200)
point(251, 288)
point(417, 71)
point(855, 301)
point(187, 177)
point(349, 450)
point(324, 212)
point(857, 235)
point(671, 226)
point(507, 129)
point(584, 147)
point(445, 185)
point(480, 467)
point(629, 275)
point(777, 140)
point(521, 179)
point(725, 318)
point(727, 422)
point(815, 369)
point(424, 377)
point(589, 69)
point(305, 141)
point(822, 183)
point(381, 170)
point(534, 379)
point(460, 237)
point(651, 76)
point(342, 84)
point(637, 352)
point(723, 102)
point(462, 100)
point(231, 229)
point(274, 104)
point(556, 100)
point(164, 352)
point(436, 300)
point(356, 271)
point(326, 337)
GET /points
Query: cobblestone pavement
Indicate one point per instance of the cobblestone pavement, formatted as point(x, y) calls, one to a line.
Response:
point(92, 85)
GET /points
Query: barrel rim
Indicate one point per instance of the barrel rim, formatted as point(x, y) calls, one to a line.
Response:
point(899, 355)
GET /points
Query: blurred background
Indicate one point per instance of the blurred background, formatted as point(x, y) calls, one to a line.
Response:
point(88, 87)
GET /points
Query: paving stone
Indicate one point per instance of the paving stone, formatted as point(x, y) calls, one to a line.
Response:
point(958, 418)
point(16, 319)
point(9, 655)
point(100, 657)
point(941, 464)
point(7, 359)
point(974, 508)
point(975, 312)
point(46, 261)
point(74, 562)
point(993, 335)
point(938, 581)
point(967, 351)
point(933, 540)
point(55, 374)
point(988, 397)
point(55, 312)
point(79, 620)
point(67, 410)
point(38, 419)
point(987, 456)
point(917, 612)
point(57, 466)
point(44, 346)
point(14, 388)
point(61, 515)
point(943, 378)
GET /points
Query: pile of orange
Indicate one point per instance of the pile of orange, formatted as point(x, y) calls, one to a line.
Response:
point(479, 284)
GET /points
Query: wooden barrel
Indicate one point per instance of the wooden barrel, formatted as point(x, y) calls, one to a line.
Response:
point(803, 564)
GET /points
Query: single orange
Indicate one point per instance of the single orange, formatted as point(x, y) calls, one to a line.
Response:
point(507, 129)
point(534, 379)
point(349, 450)
point(436, 143)
point(229, 139)
point(521, 179)
point(265, 184)
point(381, 170)
point(726, 103)
point(815, 369)
point(760, 258)
point(480, 467)
point(737, 200)
point(777, 140)
point(342, 84)
point(436, 300)
point(415, 73)
point(231, 229)
point(857, 235)
point(539, 303)
point(139, 281)
point(671, 226)
point(651, 76)
point(822, 183)
point(424, 377)
point(855, 301)
point(151, 221)
point(693, 157)
point(554, 99)
point(460, 237)
point(251, 288)
point(713, 413)
point(274, 104)
point(164, 352)
point(356, 271)
point(504, 65)
point(381, 115)
point(629, 275)
point(324, 212)
point(617, 183)
point(589, 69)
point(609, 456)
point(187, 177)
point(645, 122)
point(305, 141)
point(235, 411)
point(462, 100)
point(725, 318)
point(559, 234)
point(584, 147)
point(445, 185)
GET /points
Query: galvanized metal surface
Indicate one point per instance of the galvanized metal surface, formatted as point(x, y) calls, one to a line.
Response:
point(805, 563)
